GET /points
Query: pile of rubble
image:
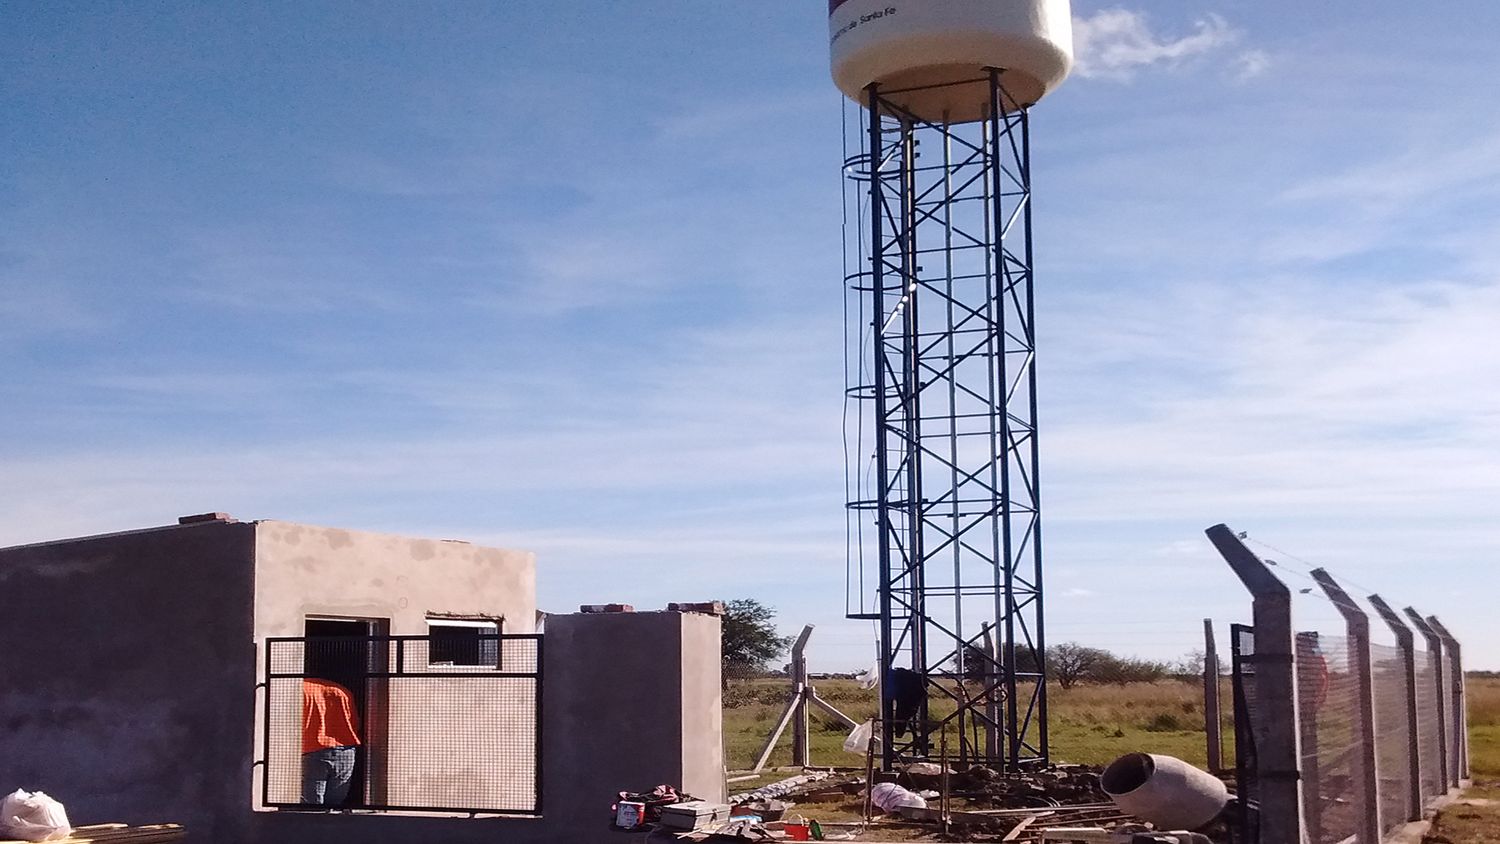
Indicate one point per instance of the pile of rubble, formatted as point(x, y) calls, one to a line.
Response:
point(1065, 803)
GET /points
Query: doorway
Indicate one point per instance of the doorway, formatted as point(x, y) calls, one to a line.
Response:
point(352, 653)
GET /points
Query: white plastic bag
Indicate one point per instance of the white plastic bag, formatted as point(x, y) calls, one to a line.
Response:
point(858, 741)
point(33, 816)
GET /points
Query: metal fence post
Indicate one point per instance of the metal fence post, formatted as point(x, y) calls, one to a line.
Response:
point(1357, 627)
point(1212, 723)
point(1407, 646)
point(1456, 682)
point(1435, 656)
point(795, 712)
point(1277, 744)
point(800, 732)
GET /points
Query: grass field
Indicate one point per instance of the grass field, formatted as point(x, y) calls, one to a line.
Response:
point(1484, 728)
point(1476, 819)
point(1090, 724)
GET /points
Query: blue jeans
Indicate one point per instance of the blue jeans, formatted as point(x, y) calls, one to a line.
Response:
point(326, 775)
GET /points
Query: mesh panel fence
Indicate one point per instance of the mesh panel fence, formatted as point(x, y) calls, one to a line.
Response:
point(1332, 765)
point(1453, 735)
point(1393, 732)
point(1428, 743)
point(438, 726)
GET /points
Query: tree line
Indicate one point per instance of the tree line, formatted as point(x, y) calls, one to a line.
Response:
point(751, 643)
point(1070, 664)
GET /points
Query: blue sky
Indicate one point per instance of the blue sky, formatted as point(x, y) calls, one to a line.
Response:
point(566, 277)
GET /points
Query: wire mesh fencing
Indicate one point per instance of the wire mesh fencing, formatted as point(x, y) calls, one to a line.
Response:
point(410, 723)
point(1341, 736)
point(1393, 737)
point(1332, 748)
point(1429, 743)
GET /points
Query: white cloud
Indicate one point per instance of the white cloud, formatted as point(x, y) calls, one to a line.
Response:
point(1251, 63)
point(1313, 384)
point(1116, 43)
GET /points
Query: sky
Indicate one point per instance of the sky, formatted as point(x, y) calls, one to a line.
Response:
point(566, 277)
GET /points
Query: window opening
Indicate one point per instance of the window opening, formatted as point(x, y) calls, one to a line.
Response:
point(463, 642)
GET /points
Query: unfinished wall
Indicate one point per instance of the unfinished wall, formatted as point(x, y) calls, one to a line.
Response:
point(304, 571)
point(128, 663)
point(702, 706)
point(632, 700)
point(638, 696)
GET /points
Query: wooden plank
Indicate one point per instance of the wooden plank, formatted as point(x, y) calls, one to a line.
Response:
point(1019, 828)
point(118, 833)
point(1033, 810)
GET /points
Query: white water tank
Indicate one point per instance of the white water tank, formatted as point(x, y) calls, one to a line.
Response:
point(916, 44)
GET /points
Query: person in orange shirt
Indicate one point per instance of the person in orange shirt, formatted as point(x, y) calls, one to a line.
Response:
point(330, 738)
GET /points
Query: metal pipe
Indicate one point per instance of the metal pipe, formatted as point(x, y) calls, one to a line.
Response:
point(1164, 791)
point(882, 482)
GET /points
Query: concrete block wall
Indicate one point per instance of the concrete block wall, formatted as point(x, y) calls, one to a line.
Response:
point(127, 665)
point(631, 700)
point(304, 571)
point(130, 664)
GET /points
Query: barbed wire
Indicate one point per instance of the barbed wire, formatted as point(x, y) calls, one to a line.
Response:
point(1340, 577)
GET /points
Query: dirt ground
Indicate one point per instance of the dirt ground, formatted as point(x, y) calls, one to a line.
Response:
point(1475, 819)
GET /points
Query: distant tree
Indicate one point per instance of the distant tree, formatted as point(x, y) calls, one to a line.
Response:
point(1070, 663)
point(750, 639)
point(979, 667)
point(1122, 670)
point(1190, 665)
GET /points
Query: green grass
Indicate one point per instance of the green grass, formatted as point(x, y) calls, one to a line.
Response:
point(1484, 727)
point(1089, 724)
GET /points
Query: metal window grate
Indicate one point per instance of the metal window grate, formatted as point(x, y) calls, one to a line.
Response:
point(1246, 761)
point(434, 735)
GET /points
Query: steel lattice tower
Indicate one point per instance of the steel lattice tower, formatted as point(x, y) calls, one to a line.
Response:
point(943, 490)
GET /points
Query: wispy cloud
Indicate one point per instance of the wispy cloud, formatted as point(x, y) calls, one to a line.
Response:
point(1118, 43)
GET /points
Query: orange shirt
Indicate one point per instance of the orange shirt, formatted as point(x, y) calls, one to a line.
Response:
point(328, 718)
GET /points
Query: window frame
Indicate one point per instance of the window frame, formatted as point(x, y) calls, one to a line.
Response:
point(486, 625)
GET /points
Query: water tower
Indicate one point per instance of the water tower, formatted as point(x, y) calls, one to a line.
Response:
point(943, 474)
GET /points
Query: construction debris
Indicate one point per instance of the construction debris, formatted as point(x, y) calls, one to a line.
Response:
point(118, 833)
point(1120, 836)
point(1063, 785)
point(705, 607)
point(781, 788)
point(975, 804)
point(693, 815)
